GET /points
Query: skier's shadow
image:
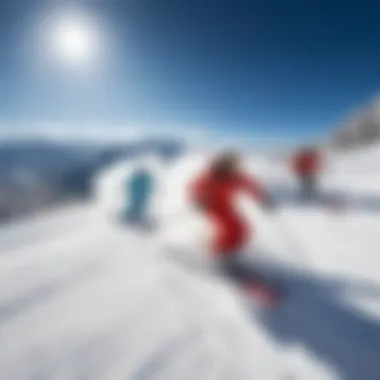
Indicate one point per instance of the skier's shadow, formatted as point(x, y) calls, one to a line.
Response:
point(290, 196)
point(313, 314)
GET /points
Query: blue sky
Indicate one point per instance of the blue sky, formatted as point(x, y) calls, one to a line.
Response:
point(274, 69)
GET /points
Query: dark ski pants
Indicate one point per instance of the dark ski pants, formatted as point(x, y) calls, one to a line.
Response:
point(137, 210)
point(309, 186)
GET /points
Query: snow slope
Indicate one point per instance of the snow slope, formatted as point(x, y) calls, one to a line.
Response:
point(82, 297)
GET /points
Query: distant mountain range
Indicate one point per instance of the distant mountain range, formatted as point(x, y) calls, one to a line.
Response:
point(37, 172)
point(46, 156)
point(360, 130)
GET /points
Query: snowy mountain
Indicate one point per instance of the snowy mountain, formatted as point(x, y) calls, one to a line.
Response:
point(83, 297)
point(362, 129)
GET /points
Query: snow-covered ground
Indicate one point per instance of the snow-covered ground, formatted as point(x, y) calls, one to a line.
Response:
point(83, 297)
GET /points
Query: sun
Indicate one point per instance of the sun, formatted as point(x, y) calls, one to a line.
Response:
point(74, 41)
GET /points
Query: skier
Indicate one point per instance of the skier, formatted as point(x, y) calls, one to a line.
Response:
point(214, 193)
point(307, 166)
point(139, 189)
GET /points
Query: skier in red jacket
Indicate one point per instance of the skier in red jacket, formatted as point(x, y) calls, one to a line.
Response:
point(214, 193)
point(307, 166)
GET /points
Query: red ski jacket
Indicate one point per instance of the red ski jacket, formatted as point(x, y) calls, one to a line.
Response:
point(216, 197)
point(307, 163)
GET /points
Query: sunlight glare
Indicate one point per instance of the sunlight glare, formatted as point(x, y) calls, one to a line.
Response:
point(74, 41)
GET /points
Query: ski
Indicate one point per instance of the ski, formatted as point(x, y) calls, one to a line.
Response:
point(263, 294)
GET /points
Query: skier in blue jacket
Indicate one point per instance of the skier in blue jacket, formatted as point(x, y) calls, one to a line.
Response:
point(139, 191)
